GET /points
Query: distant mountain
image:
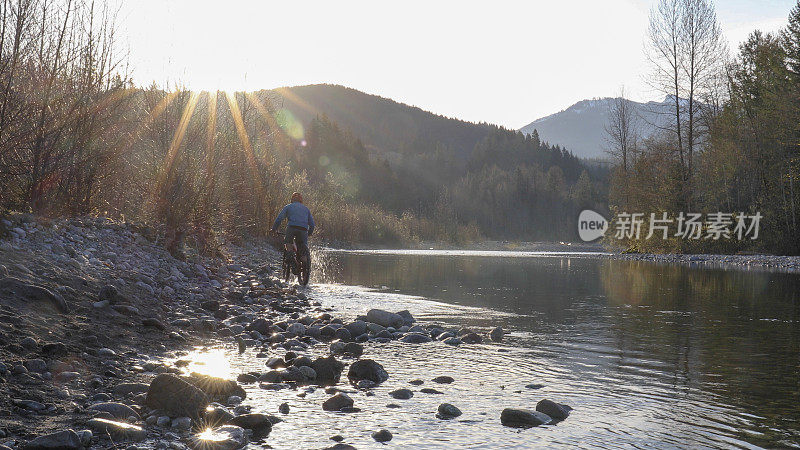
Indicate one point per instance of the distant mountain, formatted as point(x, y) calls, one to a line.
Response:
point(581, 127)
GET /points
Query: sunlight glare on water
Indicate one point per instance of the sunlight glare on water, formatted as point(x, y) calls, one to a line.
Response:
point(212, 362)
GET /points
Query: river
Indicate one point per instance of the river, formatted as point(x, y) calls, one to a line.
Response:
point(648, 355)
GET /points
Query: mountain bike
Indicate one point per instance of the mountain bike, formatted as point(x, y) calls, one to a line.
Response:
point(295, 263)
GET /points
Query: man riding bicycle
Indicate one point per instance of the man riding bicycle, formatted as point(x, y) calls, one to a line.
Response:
point(300, 224)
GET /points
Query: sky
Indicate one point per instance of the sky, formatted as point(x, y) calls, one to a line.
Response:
point(498, 61)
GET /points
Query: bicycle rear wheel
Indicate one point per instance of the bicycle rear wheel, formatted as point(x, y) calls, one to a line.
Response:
point(305, 269)
point(286, 267)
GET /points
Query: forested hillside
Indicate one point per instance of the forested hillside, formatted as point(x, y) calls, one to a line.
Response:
point(731, 144)
point(449, 173)
point(384, 125)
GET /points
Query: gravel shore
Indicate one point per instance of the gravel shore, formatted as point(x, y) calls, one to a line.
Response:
point(95, 317)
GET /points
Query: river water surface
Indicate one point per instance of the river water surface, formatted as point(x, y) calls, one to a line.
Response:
point(648, 355)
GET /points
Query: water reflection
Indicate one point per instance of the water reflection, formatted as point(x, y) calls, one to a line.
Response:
point(208, 361)
point(669, 354)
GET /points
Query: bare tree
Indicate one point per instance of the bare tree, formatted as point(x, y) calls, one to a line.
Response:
point(621, 130)
point(703, 56)
point(687, 53)
point(664, 54)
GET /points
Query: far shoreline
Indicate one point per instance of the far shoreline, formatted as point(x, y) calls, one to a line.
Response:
point(593, 250)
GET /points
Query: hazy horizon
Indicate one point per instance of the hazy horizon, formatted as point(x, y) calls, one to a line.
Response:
point(524, 62)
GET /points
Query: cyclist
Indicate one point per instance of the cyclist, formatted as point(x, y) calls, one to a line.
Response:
point(300, 224)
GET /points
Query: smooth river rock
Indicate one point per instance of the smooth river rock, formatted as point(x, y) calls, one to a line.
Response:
point(367, 369)
point(337, 402)
point(385, 318)
point(447, 411)
point(523, 418)
point(555, 410)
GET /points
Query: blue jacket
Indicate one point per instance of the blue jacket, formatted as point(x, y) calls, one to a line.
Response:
point(298, 215)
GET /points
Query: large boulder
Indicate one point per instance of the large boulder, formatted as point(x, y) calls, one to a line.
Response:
point(62, 440)
point(523, 418)
point(367, 369)
point(328, 370)
point(385, 318)
point(216, 388)
point(555, 410)
point(175, 396)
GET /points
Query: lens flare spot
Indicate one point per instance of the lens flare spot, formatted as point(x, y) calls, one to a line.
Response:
point(290, 125)
point(324, 160)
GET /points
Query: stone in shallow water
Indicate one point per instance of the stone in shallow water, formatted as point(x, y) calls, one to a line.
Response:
point(523, 418)
point(382, 435)
point(337, 402)
point(555, 410)
point(430, 391)
point(259, 423)
point(444, 379)
point(367, 369)
point(496, 335)
point(228, 437)
point(401, 394)
point(447, 411)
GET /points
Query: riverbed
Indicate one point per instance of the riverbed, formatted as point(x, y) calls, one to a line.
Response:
point(647, 354)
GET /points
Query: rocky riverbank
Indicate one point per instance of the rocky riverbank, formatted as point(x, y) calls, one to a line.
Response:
point(94, 318)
